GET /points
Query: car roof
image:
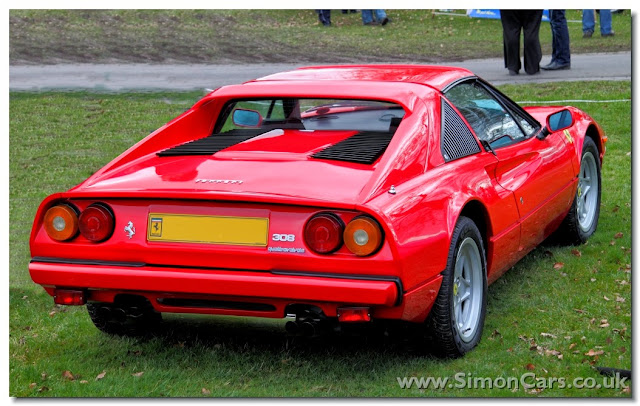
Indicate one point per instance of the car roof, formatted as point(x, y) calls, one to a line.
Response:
point(436, 76)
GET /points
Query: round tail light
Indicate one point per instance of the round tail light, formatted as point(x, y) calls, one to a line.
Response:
point(323, 233)
point(363, 236)
point(61, 222)
point(96, 222)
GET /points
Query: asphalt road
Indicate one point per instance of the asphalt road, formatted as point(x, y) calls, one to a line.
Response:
point(127, 77)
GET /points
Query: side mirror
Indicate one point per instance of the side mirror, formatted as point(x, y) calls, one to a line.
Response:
point(556, 122)
point(247, 118)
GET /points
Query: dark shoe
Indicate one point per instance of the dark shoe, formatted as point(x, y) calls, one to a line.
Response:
point(587, 34)
point(611, 34)
point(386, 21)
point(371, 23)
point(513, 72)
point(533, 73)
point(556, 66)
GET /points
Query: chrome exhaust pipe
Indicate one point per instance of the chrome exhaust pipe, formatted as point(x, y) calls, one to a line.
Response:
point(292, 327)
point(309, 329)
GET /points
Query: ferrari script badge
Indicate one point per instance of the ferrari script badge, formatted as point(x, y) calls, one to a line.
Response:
point(130, 230)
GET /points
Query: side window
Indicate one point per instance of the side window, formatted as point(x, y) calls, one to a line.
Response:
point(489, 120)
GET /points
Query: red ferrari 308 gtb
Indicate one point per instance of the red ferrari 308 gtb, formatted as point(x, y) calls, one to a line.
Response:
point(332, 194)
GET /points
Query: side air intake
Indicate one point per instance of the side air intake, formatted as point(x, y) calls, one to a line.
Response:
point(209, 145)
point(364, 147)
point(457, 141)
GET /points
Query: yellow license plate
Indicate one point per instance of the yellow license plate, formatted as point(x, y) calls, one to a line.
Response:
point(193, 228)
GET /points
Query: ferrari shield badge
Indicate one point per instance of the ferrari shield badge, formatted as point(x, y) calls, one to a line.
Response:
point(156, 227)
point(568, 136)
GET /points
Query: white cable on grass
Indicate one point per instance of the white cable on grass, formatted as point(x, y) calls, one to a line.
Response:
point(574, 101)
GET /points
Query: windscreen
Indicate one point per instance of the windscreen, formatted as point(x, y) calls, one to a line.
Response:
point(310, 114)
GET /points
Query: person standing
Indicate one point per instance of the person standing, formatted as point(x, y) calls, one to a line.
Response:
point(589, 23)
point(561, 54)
point(381, 17)
point(325, 17)
point(527, 21)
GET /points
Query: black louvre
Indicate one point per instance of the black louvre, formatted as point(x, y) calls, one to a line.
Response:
point(363, 148)
point(457, 139)
point(208, 145)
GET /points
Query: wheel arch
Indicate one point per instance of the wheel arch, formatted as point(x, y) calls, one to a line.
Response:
point(476, 211)
point(594, 133)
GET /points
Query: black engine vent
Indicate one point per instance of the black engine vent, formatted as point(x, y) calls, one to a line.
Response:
point(363, 148)
point(457, 140)
point(211, 144)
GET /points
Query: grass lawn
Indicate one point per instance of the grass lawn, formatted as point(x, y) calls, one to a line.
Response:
point(549, 315)
point(257, 36)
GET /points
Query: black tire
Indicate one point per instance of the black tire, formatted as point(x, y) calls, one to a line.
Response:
point(446, 339)
point(571, 231)
point(126, 316)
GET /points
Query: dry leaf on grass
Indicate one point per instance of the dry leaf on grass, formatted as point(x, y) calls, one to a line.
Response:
point(138, 373)
point(101, 375)
point(593, 353)
point(68, 375)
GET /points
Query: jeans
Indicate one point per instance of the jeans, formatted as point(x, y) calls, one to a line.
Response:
point(367, 16)
point(589, 21)
point(325, 17)
point(561, 53)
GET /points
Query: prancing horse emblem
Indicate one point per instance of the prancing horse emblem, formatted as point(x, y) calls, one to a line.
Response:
point(130, 230)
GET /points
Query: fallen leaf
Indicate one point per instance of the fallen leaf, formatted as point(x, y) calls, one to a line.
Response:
point(616, 208)
point(612, 242)
point(620, 299)
point(101, 375)
point(627, 389)
point(604, 325)
point(84, 381)
point(52, 313)
point(547, 335)
point(618, 235)
point(576, 252)
point(572, 346)
point(206, 391)
point(552, 352)
point(530, 367)
point(43, 376)
point(558, 265)
point(68, 375)
point(606, 298)
point(579, 311)
point(32, 385)
point(24, 297)
point(43, 389)
point(593, 279)
point(593, 353)
point(138, 373)
point(622, 350)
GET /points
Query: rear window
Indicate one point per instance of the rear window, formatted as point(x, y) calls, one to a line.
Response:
point(310, 114)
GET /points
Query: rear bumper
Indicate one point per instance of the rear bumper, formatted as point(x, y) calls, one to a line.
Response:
point(331, 288)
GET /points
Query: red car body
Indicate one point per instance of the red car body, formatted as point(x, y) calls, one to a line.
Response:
point(517, 195)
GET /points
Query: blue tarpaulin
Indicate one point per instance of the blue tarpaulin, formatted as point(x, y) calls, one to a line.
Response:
point(478, 13)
